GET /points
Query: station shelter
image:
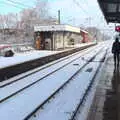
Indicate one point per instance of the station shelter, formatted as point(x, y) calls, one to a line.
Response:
point(57, 37)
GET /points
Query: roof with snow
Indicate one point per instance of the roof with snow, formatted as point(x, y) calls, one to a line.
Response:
point(57, 28)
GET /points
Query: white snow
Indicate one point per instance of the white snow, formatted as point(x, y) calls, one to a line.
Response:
point(23, 103)
point(27, 56)
point(30, 55)
point(23, 57)
point(6, 91)
point(63, 105)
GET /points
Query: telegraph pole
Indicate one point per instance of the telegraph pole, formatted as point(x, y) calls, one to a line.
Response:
point(58, 16)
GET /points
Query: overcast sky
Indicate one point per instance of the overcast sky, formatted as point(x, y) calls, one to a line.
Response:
point(74, 12)
point(81, 13)
point(77, 10)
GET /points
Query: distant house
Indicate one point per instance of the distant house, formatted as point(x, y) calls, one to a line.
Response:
point(55, 37)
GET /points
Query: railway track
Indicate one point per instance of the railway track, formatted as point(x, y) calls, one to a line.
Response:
point(51, 99)
point(58, 89)
point(20, 77)
point(88, 90)
point(11, 71)
point(30, 83)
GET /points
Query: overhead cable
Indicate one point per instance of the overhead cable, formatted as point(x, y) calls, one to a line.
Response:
point(2, 2)
point(18, 3)
point(79, 5)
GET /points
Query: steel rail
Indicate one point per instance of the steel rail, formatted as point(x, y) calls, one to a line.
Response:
point(74, 54)
point(15, 93)
point(60, 88)
point(73, 117)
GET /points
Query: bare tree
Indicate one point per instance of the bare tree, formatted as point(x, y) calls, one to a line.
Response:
point(8, 25)
point(34, 16)
point(2, 28)
point(22, 24)
point(42, 9)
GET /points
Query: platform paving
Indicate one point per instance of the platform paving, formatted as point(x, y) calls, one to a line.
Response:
point(106, 103)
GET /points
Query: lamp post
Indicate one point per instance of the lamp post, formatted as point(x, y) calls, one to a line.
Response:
point(58, 16)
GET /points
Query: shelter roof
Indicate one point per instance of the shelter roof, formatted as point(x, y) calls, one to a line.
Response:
point(111, 10)
point(58, 27)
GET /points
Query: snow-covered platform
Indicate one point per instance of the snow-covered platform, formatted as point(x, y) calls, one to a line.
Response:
point(106, 104)
point(23, 57)
point(48, 93)
point(21, 63)
point(19, 58)
point(50, 90)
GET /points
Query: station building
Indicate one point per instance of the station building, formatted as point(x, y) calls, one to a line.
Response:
point(57, 37)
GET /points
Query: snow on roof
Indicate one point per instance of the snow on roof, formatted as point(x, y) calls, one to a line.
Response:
point(84, 31)
point(57, 28)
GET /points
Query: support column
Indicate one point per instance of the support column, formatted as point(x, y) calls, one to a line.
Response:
point(63, 40)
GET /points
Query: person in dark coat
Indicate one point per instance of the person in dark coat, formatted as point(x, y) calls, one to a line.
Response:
point(116, 51)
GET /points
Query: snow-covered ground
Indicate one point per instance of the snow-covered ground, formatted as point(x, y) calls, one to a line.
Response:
point(20, 105)
point(64, 103)
point(27, 56)
point(7, 91)
point(23, 57)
